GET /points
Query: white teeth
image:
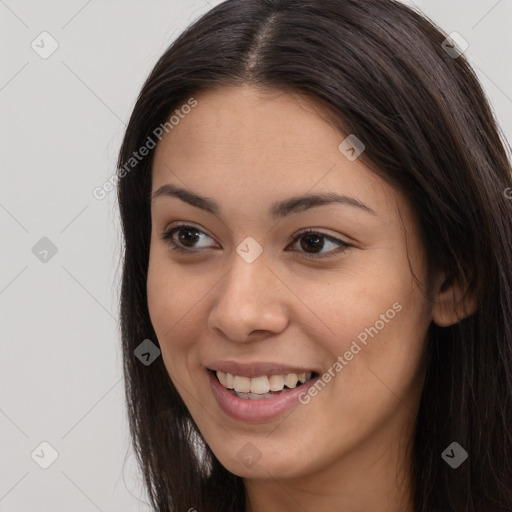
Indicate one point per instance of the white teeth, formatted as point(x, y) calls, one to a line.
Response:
point(222, 378)
point(263, 384)
point(291, 380)
point(260, 385)
point(242, 384)
point(276, 382)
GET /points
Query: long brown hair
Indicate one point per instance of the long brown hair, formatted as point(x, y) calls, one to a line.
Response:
point(384, 73)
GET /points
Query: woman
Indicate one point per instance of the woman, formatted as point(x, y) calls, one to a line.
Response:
point(315, 200)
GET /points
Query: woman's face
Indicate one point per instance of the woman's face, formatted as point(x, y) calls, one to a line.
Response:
point(252, 295)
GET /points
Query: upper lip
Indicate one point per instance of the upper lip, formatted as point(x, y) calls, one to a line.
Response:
point(256, 369)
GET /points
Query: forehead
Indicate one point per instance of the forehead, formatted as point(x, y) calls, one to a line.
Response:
point(253, 130)
point(249, 147)
point(244, 118)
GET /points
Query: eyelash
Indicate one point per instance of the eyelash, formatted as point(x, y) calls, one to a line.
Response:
point(168, 237)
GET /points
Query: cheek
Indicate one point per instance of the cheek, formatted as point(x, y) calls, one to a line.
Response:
point(162, 298)
point(177, 298)
point(347, 303)
point(377, 320)
point(168, 306)
point(172, 292)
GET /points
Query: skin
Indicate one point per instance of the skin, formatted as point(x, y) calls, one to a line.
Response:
point(346, 449)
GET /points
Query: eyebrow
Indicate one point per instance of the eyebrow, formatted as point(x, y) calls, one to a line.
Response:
point(277, 210)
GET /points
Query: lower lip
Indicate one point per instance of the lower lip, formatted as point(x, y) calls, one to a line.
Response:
point(245, 409)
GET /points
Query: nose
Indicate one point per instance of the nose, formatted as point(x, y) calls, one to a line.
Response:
point(249, 301)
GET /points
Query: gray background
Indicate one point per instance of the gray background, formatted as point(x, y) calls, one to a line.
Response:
point(62, 120)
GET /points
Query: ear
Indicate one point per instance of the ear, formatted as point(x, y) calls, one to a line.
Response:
point(453, 301)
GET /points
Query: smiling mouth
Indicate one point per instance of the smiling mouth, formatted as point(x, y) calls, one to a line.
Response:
point(262, 387)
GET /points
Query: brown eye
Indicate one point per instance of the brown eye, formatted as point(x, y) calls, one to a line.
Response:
point(312, 242)
point(188, 237)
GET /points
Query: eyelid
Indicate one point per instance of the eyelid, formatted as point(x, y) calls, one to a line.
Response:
point(179, 224)
point(320, 231)
point(343, 246)
point(293, 236)
point(172, 228)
